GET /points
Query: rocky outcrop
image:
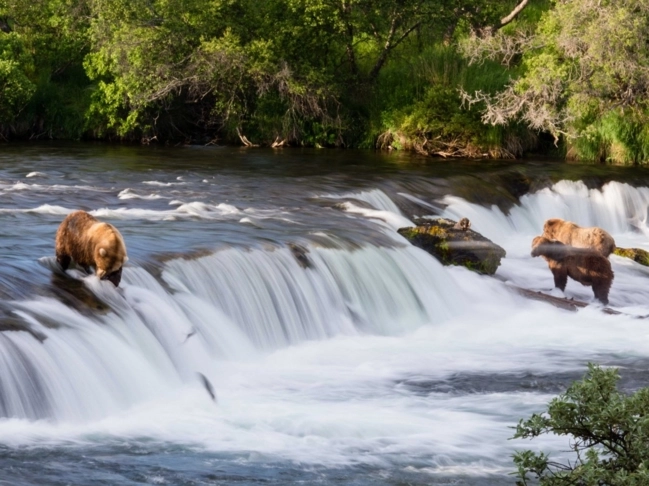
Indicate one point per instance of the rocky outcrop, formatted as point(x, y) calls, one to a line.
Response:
point(454, 243)
point(638, 255)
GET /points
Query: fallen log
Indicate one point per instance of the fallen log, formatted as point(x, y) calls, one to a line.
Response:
point(560, 302)
point(245, 141)
point(278, 143)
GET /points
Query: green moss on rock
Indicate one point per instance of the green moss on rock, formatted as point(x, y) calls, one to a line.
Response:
point(453, 246)
point(638, 255)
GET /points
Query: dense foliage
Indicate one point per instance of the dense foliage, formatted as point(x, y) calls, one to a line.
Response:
point(450, 77)
point(608, 431)
point(584, 77)
point(313, 72)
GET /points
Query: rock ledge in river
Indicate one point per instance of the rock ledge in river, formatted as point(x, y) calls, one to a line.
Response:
point(638, 255)
point(447, 241)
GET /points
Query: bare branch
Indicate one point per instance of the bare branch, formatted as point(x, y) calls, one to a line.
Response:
point(390, 44)
point(513, 14)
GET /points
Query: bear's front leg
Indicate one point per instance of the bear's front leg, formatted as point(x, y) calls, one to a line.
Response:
point(560, 275)
point(64, 261)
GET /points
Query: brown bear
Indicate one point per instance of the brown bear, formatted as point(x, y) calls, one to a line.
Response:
point(585, 265)
point(91, 243)
point(569, 233)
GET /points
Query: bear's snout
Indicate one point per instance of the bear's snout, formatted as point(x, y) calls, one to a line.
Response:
point(114, 277)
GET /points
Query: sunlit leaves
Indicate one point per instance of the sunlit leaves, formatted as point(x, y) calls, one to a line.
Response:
point(585, 60)
point(608, 433)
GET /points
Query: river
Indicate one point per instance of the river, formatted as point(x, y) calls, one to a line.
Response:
point(357, 360)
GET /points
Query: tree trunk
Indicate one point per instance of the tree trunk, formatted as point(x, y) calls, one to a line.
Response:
point(349, 48)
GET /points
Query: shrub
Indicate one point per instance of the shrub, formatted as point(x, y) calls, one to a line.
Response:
point(608, 431)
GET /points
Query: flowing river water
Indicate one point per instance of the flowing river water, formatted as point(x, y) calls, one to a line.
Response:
point(356, 360)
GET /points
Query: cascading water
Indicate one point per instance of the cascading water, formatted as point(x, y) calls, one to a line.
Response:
point(335, 350)
point(229, 305)
point(619, 208)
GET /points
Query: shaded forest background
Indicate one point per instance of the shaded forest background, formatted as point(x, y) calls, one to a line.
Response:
point(449, 77)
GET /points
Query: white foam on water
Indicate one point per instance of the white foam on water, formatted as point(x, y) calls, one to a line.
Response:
point(131, 194)
point(184, 210)
point(187, 210)
point(163, 184)
point(392, 220)
point(43, 209)
point(374, 197)
point(348, 399)
point(23, 186)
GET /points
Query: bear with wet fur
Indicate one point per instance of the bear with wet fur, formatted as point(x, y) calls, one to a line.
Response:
point(571, 234)
point(91, 243)
point(585, 265)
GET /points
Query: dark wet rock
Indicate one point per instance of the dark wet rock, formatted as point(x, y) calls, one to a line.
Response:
point(638, 255)
point(502, 189)
point(9, 322)
point(76, 295)
point(516, 183)
point(453, 245)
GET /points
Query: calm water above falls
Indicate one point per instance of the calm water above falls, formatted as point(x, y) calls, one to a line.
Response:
point(366, 363)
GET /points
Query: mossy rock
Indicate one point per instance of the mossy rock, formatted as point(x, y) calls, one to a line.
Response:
point(638, 255)
point(454, 246)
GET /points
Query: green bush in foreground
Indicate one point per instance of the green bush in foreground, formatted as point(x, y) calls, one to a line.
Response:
point(608, 430)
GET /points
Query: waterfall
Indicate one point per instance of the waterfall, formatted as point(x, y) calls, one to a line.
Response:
point(277, 302)
point(233, 304)
point(375, 197)
point(616, 207)
point(345, 348)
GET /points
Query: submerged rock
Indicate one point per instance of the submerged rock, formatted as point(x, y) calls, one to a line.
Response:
point(561, 302)
point(454, 243)
point(638, 255)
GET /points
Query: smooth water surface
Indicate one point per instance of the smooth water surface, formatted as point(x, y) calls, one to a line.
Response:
point(336, 351)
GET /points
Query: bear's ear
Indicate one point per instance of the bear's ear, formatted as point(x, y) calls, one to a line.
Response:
point(552, 222)
point(102, 252)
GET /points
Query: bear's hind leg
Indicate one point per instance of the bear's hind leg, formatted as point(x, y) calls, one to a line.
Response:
point(64, 261)
point(600, 290)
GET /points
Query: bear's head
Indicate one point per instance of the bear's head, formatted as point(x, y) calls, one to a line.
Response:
point(538, 245)
point(542, 246)
point(110, 255)
point(551, 227)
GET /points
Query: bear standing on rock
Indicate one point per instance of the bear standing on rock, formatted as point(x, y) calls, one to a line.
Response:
point(569, 233)
point(91, 243)
point(586, 266)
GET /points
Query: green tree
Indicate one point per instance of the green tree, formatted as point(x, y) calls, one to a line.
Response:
point(585, 77)
point(16, 89)
point(171, 67)
point(608, 431)
point(44, 87)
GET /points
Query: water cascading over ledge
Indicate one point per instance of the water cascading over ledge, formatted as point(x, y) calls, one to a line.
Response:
point(232, 304)
point(617, 207)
